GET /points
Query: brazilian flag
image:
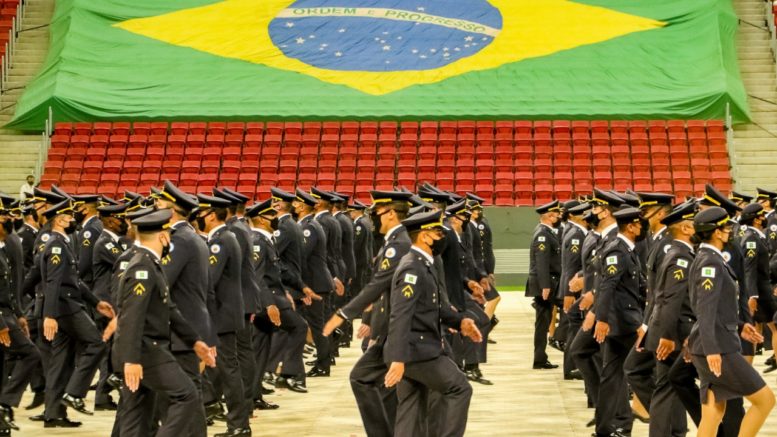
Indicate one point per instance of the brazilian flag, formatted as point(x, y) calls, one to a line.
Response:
point(387, 59)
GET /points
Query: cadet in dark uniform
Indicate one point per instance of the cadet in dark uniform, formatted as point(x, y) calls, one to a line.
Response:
point(91, 227)
point(377, 403)
point(147, 316)
point(670, 323)
point(362, 245)
point(714, 341)
point(278, 312)
point(317, 278)
point(334, 238)
point(414, 347)
point(347, 228)
point(768, 199)
point(13, 338)
point(66, 323)
point(226, 309)
point(187, 277)
point(571, 265)
point(480, 222)
point(543, 281)
point(619, 306)
point(740, 199)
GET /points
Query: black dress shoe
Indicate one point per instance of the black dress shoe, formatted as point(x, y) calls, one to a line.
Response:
point(573, 375)
point(76, 404)
point(555, 344)
point(235, 432)
point(267, 391)
point(38, 418)
point(269, 377)
point(63, 422)
point(491, 341)
point(317, 372)
point(771, 368)
point(476, 377)
point(213, 409)
point(545, 365)
point(106, 406)
point(37, 400)
point(311, 363)
point(114, 381)
point(261, 404)
point(292, 384)
point(591, 423)
point(769, 361)
point(7, 418)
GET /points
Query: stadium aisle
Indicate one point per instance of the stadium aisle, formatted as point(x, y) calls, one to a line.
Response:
point(495, 410)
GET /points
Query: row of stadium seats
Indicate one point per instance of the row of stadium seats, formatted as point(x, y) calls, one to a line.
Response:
point(517, 168)
point(8, 10)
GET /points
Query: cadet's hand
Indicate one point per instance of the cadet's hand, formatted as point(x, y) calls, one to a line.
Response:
point(665, 347)
point(274, 314)
point(133, 373)
point(363, 332)
point(291, 300)
point(311, 295)
point(752, 305)
point(485, 284)
point(750, 334)
point(640, 336)
point(568, 301)
point(576, 284)
point(716, 364)
point(492, 280)
point(394, 374)
point(601, 330)
point(775, 291)
point(477, 291)
point(205, 353)
point(587, 301)
point(24, 326)
point(110, 329)
point(50, 328)
point(105, 309)
point(469, 329)
point(339, 287)
point(545, 293)
point(334, 322)
point(5, 337)
point(588, 322)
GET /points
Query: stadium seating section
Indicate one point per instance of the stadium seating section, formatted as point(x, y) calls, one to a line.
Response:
point(7, 14)
point(508, 162)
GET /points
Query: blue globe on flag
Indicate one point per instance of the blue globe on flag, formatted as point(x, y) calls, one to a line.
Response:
point(384, 35)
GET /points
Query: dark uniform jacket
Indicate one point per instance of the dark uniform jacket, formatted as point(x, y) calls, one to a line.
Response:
point(9, 303)
point(672, 316)
point(122, 262)
point(571, 257)
point(288, 243)
point(477, 245)
point(32, 286)
point(756, 264)
point(250, 289)
point(185, 272)
point(417, 315)
point(346, 228)
point(362, 249)
point(63, 292)
point(713, 290)
point(619, 294)
point(489, 260)
point(315, 271)
point(147, 315)
point(106, 251)
point(334, 244)
point(544, 262)
point(378, 290)
point(268, 271)
point(455, 277)
point(590, 244)
point(28, 234)
point(771, 231)
point(226, 306)
point(84, 242)
point(658, 245)
point(735, 256)
point(15, 254)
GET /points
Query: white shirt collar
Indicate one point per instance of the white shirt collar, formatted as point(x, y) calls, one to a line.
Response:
point(712, 248)
point(426, 255)
point(391, 232)
point(760, 232)
point(214, 230)
point(283, 215)
point(657, 235)
point(320, 213)
point(263, 232)
point(112, 235)
point(154, 254)
point(2, 244)
point(607, 230)
point(628, 242)
point(67, 239)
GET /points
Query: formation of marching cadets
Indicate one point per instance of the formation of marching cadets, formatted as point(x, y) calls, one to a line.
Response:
point(191, 308)
point(664, 303)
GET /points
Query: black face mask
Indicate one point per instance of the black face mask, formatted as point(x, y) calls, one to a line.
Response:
point(274, 223)
point(71, 227)
point(643, 231)
point(79, 216)
point(123, 228)
point(165, 250)
point(8, 226)
point(438, 246)
point(375, 218)
point(200, 219)
point(593, 220)
point(18, 223)
point(294, 215)
point(695, 239)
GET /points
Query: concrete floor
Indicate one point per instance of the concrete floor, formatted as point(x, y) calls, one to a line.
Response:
point(523, 402)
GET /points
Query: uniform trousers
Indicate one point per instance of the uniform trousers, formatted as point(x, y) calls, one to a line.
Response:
point(247, 358)
point(613, 403)
point(26, 358)
point(377, 404)
point(169, 380)
point(586, 354)
point(77, 350)
point(440, 375)
point(291, 334)
point(543, 311)
point(574, 318)
point(226, 378)
point(102, 393)
point(639, 367)
point(315, 315)
point(190, 364)
point(665, 404)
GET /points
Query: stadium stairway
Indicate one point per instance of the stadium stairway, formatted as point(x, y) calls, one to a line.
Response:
point(20, 150)
point(753, 152)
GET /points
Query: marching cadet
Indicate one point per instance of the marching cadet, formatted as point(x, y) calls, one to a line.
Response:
point(480, 222)
point(279, 312)
point(65, 322)
point(741, 200)
point(571, 264)
point(145, 321)
point(91, 227)
point(377, 403)
point(187, 279)
point(619, 306)
point(757, 285)
point(669, 325)
point(362, 245)
point(340, 206)
point(768, 199)
point(13, 330)
point(544, 273)
point(317, 278)
point(414, 348)
point(252, 300)
point(226, 309)
point(714, 341)
point(105, 251)
point(323, 215)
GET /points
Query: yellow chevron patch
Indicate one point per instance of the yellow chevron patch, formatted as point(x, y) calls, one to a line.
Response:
point(87, 243)
point(751, 253)
point(166, 260)
point(385, 264)
point(213, 260)
point(139, 289)
point(707, 284)
point(574, 249)
point(613, 269)
point(55, 260)
point(541, 247)
point(408, 291)
point(678, 274)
